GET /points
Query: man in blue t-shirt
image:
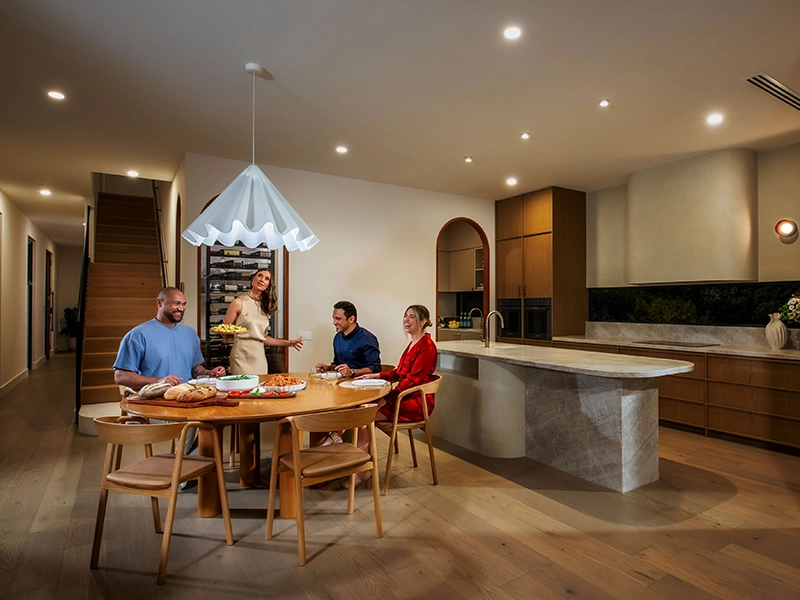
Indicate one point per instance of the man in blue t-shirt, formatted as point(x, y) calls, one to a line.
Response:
point(162, 349)
point(355, 350)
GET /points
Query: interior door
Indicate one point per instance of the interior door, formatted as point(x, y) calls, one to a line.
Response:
point(48, 303)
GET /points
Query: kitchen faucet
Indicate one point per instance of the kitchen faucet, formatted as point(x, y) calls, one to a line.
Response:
point(486, 325)
point(480, 314)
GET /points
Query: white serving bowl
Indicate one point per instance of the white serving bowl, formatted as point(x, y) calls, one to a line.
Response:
point(237, 385)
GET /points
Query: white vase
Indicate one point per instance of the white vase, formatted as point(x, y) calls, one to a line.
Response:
point(776, 332)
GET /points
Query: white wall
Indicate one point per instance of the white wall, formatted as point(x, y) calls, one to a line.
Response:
point(377, 249)
point(67, 287)
point(16, 229)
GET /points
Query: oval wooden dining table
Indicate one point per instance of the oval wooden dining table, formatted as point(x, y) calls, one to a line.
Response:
point(318, 396)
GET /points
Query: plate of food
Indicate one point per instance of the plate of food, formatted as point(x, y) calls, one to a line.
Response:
point(231, 383)
point(228, 329)
point(284, 383)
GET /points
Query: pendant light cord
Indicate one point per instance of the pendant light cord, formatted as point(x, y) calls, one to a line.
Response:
point(254, 119)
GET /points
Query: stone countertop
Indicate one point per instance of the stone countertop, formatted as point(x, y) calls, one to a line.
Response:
point(724, 349)
point(597, 364)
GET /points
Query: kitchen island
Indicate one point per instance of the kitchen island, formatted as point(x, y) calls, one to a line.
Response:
point(591, 414)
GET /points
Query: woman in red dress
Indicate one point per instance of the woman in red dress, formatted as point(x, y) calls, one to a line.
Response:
point(416, 367)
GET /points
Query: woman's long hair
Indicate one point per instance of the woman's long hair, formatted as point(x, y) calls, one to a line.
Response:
point(269, 298)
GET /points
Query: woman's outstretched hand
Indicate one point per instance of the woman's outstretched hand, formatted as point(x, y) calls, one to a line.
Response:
point(368, 376)
point(296, 344)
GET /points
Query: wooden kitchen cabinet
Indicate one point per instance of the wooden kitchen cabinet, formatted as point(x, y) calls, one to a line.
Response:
point(443, 271)
point(537, 255)
point(454, 335)
point(462, 270)
point(508, 218)
point(509, 268)
point(537, 212)
point(541, 253)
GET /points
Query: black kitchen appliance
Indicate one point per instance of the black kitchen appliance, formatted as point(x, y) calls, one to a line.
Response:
point(511, 309)
point(538, 318)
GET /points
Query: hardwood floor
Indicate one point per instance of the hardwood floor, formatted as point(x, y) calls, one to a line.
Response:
point(721, 523)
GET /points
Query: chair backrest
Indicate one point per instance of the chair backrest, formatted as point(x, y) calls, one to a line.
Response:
point(124, 430)
point(335, 420)
point(432, 386)
point(386, 368)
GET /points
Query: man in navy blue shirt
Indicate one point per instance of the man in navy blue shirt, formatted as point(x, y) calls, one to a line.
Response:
point(355, 350)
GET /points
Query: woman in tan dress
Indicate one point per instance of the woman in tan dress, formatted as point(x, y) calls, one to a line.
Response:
point(252, 311)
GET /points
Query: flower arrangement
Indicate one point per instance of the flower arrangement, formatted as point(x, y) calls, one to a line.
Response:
point(791, 310)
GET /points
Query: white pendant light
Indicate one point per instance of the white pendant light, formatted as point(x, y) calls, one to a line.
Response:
point(251, 210)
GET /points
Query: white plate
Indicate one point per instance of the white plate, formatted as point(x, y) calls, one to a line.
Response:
point(369, 383)
point(286, 388)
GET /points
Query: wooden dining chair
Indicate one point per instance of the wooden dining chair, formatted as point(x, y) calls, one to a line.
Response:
point(391, 428)
point(324, 463)
point(157, 476)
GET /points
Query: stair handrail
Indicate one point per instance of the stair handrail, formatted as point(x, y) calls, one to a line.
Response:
point(81, 312)
point(159, 232)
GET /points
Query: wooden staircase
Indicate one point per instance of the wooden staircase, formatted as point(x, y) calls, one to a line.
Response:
point(121, 291)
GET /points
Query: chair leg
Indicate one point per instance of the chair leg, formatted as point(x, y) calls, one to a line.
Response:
point(167, 538)
point(156, 514)
point(396, 446)
point(392, 442)
point(98, 527)
point(223, 491)
point(430, 450)
point(301, 524)
point(413, 448)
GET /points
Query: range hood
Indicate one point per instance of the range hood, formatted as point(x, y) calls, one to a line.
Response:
point(694, 221)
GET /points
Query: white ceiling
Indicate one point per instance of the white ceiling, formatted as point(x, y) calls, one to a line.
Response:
point(409, 86)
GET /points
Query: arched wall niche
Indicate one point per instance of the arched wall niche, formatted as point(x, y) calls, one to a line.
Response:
point(456, 238)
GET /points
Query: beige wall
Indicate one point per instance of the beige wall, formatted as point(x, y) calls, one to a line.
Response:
point(377, 248)
point(16, 229)
point(694, 220)
point(778, 198)
point(606, 215)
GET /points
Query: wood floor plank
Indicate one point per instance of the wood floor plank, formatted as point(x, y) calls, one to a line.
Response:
point(721, 523)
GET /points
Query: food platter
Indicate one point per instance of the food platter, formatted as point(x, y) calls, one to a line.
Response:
point(232, 383)
point(228, 329)
point(283, 383)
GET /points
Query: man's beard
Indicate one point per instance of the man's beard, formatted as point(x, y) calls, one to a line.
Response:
point(169, 316)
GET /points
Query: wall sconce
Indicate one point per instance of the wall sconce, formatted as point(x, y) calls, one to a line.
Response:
point(787, 231)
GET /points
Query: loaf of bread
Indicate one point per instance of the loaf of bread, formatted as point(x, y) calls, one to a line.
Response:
point(198, 393)
point(176, 390)
point(154, 390)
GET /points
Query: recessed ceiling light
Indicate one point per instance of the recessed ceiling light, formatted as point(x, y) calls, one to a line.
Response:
point(45, 192)
point(512, 33)
point(511, 181)
point(604, 102)
point(56, 95)
point(525, 136)
point(341, 149)
point(714, 119)
point(467, 159)
point(132, 173)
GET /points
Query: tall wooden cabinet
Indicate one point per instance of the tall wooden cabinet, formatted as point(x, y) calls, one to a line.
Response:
point(541, 253)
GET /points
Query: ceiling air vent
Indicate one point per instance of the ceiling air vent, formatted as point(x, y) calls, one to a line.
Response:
point(775, 88)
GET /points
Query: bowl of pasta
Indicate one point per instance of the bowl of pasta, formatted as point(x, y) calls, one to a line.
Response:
point(283, 383)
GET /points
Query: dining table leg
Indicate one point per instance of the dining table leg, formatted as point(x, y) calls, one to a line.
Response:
point(249, 454)
point(208, 504)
